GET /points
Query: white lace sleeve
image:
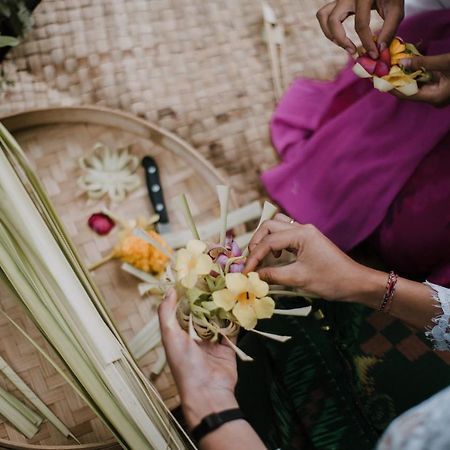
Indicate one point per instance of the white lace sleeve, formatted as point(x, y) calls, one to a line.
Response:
point(425, 427)
point(440, 333)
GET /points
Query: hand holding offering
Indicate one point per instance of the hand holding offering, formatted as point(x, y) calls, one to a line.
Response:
point(389, 72)
point(320, 268)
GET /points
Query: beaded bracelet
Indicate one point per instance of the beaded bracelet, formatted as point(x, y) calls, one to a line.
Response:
point(386, 303)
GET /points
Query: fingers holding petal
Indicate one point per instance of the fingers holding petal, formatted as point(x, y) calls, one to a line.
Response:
point(362, 27)
point(322, 16)
point(272, 243)
point(393, 16)
point(337, 30)
point(270, 227)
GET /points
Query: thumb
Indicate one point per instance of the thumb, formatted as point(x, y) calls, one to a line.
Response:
point(167, 313)
point(277, 275)
point(438, 62)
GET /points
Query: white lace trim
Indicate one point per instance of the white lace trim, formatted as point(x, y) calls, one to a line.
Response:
point(440, 333)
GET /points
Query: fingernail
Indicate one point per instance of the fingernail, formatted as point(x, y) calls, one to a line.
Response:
point(405, 63)
point(373, 54)
point(350, 50)
point(382, 46)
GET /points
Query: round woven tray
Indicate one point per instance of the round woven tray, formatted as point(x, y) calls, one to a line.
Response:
point(54, 140)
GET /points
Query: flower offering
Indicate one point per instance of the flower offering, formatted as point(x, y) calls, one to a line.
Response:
point(216, 298)
point(387, 71)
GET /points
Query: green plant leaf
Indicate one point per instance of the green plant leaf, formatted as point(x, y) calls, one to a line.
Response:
point(8, 41)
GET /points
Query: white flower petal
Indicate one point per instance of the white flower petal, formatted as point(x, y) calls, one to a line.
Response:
point(190, 280)
point(196, 247)
point(409, 89)
point(183, 258)
point(203, 265)
point(382, 85)
point(359, 71)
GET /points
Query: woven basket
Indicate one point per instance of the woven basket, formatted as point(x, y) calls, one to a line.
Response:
point(54, 139)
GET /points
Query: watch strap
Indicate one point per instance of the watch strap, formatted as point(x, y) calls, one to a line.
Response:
point(214, 421)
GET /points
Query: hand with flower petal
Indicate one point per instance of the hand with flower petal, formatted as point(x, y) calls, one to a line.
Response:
point(206, 376)
point(191, 262)
point(246, 297)
point(436, 93)
point(333, 14)
point(323, 270)
point(320, 268)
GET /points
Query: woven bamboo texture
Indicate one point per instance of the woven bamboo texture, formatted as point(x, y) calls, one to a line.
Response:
point(199, 68)
point(54, 151)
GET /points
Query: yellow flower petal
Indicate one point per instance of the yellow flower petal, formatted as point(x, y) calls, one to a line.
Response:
point(236, 282)
point(196, 247)
point(396, 46)
point(264, 307)
point(224, 299)
point(203, 265)
point(395, 71)
point(245, 314)
point(257, 286)
point(395, 59)
point(190, 280)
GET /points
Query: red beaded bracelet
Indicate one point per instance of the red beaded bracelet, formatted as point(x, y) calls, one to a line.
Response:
point(386, 303)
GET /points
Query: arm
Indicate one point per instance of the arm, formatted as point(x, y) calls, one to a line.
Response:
point(206, 376)
point(323, 270)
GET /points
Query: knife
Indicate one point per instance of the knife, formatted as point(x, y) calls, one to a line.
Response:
point(156, 193)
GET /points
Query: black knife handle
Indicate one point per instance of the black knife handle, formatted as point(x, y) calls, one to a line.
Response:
point(155, 188)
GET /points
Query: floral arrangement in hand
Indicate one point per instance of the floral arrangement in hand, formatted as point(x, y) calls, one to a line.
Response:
point(387, 72)
point(216, 298)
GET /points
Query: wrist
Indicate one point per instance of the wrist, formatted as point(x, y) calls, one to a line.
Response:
point(369, 287)
point(202, 402)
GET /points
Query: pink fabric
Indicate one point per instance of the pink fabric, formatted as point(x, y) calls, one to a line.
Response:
point(414, 237)
point(347, 150)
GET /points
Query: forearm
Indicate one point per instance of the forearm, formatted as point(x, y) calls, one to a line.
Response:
point(234, 435)
point(412, 302)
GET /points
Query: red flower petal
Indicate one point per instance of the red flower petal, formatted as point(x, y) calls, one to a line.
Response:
point(101, 223)
point(385, 56)
point(381, 69)
point(367, 63)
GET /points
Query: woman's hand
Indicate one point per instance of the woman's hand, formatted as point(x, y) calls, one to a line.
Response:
point(204, 372)
point(437, 92)
point(320, 267)
point(332, 15)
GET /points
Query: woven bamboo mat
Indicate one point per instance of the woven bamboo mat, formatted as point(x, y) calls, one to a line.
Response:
point(199, 68)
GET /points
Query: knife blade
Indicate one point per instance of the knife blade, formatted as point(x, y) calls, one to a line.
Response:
point(156, 194)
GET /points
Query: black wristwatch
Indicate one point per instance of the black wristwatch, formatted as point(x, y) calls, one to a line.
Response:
point(214, 421)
